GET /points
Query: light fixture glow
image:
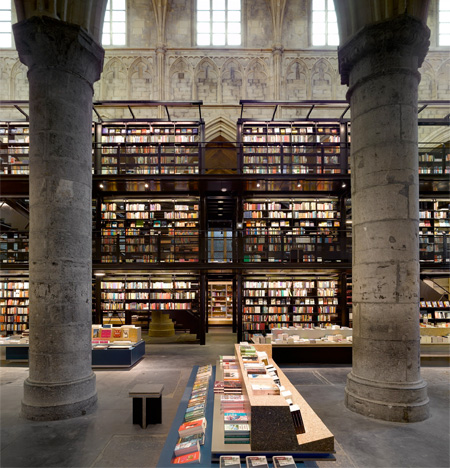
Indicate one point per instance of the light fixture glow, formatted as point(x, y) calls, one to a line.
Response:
point(101, 185)
point(146, 185)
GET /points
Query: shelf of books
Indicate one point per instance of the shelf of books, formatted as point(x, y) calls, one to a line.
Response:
point(14, 148)
point(434, 159)
point(285, 301)
point(159, 147)
point(435, 312)
point(148, 231)
point(293, 230)
point(14, 304)
point(131, 300)
point(220, 302)
point(434, 230)
point(14, 246)
point(290, 147)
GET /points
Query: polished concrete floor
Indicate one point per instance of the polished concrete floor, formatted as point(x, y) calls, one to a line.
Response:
point(109, 439)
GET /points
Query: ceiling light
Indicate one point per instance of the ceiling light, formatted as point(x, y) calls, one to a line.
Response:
point(220, 208)
point(101, 185)
point(343, 185)
point(299, 184)
point(258, 185)
point(99, 274)
point(220, 201)
point(220, 214)
point(224, 189)
point(146, 185)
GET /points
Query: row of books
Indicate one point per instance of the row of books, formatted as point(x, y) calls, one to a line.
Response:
point(192, 430)
point(260, 461)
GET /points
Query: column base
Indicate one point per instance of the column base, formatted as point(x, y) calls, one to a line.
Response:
point(397, 402)
point(161, 325)
point(51, 402)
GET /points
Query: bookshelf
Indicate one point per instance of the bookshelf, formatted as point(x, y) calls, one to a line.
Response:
point(434, 160)
point(14, 148)
point(159, 147)
point(14, 303)
point(292, 147)
point(292, 230)
point(285, 301)
point(131, 300)
point(434, 229)
point(149, 231)
point(435, 312)
point(220, 302)
point(14, 247)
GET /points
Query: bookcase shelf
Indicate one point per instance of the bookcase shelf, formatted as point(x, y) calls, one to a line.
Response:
point(289, 301)
point(434, 160)
point(149, 231)
point(291, 147)
point(14, 246)
point(434, 230)
point(220, 302)
point(14, 303)
point(14, 152)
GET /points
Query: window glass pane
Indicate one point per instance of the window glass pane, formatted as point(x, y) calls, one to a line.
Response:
point(203, 16)
point(203, 39)
point(5, 4)
point(108, 5)
point(118, 39)
point(444, 39)
point(333, 39)
point(318, 39)
point(234, 4)
point(118, 16)
point(318, 17)
point(5, 27)
point(107, 17)
point(332, 17)
point(218, 16)
point(332, 29)
point(203, 28)
point(5, 15)
point(330, 5)
point(5, 40)
point(219, 28)
point(118, 28)
point(218, 4)
point(318, 4)
point(319, 28)
point(234, 39)
point(203, 5)
point(105, 39)
point(118, 4)
point(444, 17)
point(218, 39)
point(234, 16)
point(234, 28)
point(444, 5)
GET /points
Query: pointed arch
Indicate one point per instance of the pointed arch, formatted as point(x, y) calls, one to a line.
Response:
point(442, 81)
point(257, 80)
point(427, 81)
point(180, 79)
point(19, 81)
point(322, 80)
point(206, 80)
point(140, 79)
point(232, 81)
point(113, 79)
point(296, 82)
point(220, 126)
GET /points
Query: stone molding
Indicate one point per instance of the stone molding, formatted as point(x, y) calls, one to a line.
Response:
point(404, 34)
point(44, 42)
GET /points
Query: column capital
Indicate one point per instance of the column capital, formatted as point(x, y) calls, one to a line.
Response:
point(277, 49)
point(160, 49)
point(404, 36)
point(44, 43)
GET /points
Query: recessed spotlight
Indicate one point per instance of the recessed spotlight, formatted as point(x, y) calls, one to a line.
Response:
point(99, 274)
point(224, 189)
point(220, 214)
point(220, 208)
point(258, 185)
point(299, 184)
point(343, 185)
point(220, 201)
point(146, 185)
point(101, 185)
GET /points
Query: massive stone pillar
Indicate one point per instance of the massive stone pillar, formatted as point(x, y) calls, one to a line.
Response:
point(380, 65)
point(63, 63)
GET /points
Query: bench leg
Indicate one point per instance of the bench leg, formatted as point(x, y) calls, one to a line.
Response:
point(147, 411)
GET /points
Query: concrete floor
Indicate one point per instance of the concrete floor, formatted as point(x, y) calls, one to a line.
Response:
point(109, 439)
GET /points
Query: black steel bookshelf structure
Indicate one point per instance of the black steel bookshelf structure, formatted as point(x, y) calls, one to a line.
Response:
point(277, 227)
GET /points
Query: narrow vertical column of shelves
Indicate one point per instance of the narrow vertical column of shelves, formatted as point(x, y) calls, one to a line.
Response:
point(137, 301)
point(349, 295)
point(113, 301)
point(434, 159)
point(14, 148)
point(112, 231)
point(436, 313)
point(220, 303)
point(14, 247)
point(141, 155)
point(184, 229)
point(112, 144)
point(327, 302)
point(304, 302)
point(14, 305)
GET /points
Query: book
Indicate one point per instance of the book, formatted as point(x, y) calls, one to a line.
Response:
point(236, 429)
point(186, 447)
point(192, 427)
point(230, 461)
point(200, 437)
point(193, 457)
point(283, 461)
point(235, 417)
point(256, 460)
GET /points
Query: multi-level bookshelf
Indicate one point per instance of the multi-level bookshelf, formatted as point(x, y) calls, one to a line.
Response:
point(14, 305)
point(14, 148)
point(434, 159)
point(292, 230)
point(434, 230)
point(436, 313)
point(220, 302)
point(292, 147)
point(131, 300)
point(149, 231)
point(158, 147)
point(287, 301)
point(14, 247)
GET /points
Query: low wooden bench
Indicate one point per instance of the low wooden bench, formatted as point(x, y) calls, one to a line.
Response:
point(147, 399)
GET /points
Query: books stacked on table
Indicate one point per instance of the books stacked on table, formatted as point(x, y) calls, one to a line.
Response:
point(259, 461)
point(192, 431)
point(230, 461)
point(237, 433)
point(236, 417)
point(283, 461)
point(218, 386)
point(233, 403)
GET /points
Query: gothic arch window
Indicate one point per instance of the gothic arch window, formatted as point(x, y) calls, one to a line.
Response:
point(444, 23)
point(115, 23)
point(218, 22)
point(5, 24)
point(324, 24)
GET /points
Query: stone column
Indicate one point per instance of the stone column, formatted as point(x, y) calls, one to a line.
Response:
point(277, 54)
point(380, 65)
point(63, 63)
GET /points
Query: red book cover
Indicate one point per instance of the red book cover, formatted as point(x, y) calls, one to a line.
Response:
point(188, 458)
